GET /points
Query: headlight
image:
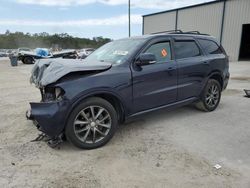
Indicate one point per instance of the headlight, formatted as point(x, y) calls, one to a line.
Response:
point(58, 93)
point(52, 94)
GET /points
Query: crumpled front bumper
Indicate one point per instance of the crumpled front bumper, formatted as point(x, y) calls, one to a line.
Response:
point(49, 117)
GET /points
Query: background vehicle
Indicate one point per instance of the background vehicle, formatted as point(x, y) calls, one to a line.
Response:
point(23, 49)
point(3, 54)
point(20, 53)
point(83, 53)
point(29, 57)
point(125, 78)
point(9, 52)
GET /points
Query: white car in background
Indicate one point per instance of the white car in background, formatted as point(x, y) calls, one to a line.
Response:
point(83, 53)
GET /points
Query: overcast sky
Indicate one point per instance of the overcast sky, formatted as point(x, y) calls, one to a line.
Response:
point(82, 18)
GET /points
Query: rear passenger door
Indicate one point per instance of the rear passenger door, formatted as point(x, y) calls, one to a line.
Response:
point(192, 67)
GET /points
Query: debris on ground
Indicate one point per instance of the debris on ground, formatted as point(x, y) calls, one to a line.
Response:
point(217, 166)
point(247, 93)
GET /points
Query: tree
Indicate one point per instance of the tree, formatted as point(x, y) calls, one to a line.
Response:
point(7, 32)
point(45, 40)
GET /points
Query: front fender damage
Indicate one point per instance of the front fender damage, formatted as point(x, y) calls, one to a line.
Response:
point(50, 119)
point(50, 115)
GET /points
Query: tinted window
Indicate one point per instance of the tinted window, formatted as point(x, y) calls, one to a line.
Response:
point(210, 46)
point(185, 49)
point(161, 51)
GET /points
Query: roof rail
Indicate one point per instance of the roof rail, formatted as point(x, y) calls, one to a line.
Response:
point(181, 32)
point(195, 33)
point(169, 31)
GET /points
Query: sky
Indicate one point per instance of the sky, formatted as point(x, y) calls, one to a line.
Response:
point(81, 18)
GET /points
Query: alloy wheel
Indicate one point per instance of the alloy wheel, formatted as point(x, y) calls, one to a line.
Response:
point(212, 96)
point(92, 124)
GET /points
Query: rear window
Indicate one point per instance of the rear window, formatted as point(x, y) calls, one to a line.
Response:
point(186, 49)
point(210, 46)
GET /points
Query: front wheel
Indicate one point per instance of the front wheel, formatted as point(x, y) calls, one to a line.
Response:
point(210, 97)
point(92, 123)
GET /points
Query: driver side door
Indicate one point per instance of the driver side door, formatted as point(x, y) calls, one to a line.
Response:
point(155, 85)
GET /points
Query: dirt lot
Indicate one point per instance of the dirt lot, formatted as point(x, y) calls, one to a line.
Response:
point(164, 149)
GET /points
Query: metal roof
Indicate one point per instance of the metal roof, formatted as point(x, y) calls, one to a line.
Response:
point(186, 7)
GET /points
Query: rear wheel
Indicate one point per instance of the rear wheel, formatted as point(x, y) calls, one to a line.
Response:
point(92, 123)
point(28, 60)
point(210, 97)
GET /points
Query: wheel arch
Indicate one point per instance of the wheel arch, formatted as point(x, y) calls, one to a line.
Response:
point(217, 76)
point(115, 102)
point(109, 96)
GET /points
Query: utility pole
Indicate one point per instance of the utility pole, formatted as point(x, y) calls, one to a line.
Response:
point(129, 32)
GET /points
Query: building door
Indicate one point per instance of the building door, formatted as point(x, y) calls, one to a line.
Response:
point(245, 43)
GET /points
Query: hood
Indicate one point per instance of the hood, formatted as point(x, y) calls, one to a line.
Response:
point(47, 71)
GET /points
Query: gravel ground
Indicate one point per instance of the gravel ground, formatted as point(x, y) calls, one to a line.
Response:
point(163, 149)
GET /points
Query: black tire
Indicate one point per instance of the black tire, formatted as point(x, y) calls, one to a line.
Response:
point(95, 102)
point(204, 104)
point(28, 60)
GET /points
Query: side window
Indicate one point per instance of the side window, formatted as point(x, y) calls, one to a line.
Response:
point(210, 46)
point(161, 50)
point(185, 49)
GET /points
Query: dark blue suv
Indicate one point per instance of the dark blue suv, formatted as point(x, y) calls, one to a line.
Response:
point(85, 100)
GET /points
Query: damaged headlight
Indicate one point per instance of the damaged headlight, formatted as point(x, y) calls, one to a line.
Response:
point(58, 92)
point(52, 94)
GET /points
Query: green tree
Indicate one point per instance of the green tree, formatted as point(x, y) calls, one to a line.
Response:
point(15, 40)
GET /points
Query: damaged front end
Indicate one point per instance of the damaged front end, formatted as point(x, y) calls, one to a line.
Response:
point(49, 115)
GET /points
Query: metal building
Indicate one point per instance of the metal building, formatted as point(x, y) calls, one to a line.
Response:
point(227, 20)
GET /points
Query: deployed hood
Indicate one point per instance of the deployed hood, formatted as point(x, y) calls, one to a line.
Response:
point(47, 71)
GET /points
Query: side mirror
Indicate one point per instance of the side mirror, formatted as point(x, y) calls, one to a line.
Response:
point(146, 59)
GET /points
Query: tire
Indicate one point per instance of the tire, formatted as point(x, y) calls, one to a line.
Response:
point(28, 60)
point(210, 97)
point(81, 123)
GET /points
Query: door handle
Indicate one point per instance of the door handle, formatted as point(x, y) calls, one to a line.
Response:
point(170, 68)
point(169, 71)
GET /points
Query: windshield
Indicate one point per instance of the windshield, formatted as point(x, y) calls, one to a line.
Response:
point(115, 52)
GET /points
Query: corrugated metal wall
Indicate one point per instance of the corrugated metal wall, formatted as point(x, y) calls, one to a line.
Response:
point(159, 22)
point(205, 19)
point(237, 13)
